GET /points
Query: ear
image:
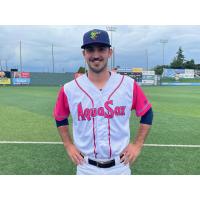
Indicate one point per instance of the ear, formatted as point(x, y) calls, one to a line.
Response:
point(110, 52)
point(83, 52)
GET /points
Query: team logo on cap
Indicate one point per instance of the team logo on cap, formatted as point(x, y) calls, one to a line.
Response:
point(94, 35)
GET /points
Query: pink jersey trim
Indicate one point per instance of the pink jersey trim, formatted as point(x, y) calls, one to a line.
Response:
point(110, 152)
point(116, 87)
point(140, 102)
point(94, 137)
point(61, 109)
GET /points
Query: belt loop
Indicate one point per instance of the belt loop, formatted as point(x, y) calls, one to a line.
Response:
point(86, 159)
point(117, 160)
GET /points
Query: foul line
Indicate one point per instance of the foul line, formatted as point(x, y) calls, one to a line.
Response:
point(27, 142)
point(148, 145)
point(171, 145)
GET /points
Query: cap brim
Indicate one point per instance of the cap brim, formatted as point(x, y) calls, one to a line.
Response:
point(95, 44)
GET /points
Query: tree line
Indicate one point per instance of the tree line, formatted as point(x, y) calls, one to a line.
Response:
point(179, 62)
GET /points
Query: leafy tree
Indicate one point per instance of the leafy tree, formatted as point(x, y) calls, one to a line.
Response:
point(189, 64)
point(197, 66)
point(81, 70)
point(178, 61)
point(159, 69)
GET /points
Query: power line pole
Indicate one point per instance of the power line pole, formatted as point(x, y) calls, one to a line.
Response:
point(6, 65)
point(147, 59)
point(0, 65)
point(111, 29)
point(52, 58)
point(163, 42)
point(20, 54)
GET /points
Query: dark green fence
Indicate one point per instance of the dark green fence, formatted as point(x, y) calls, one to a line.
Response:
point(50, 79)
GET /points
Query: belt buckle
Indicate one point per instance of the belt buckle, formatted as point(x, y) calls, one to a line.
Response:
point(100, 163)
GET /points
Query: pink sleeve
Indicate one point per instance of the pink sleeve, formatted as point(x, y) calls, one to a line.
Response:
point(140, 102)
point(61, 109)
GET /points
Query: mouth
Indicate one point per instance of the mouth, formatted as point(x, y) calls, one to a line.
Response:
point(96, 61)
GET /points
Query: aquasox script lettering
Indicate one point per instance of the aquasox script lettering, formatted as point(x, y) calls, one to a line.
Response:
point(106, 111)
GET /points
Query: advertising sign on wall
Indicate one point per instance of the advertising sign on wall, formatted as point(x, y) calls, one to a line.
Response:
point(178, 73)
point(5, 81)
point(148, 78)
point(21, 74)
point(5, 78)
point(21, 81)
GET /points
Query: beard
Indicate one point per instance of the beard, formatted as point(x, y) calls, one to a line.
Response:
point(99, 68)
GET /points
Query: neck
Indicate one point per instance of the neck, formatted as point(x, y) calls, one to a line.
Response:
point(99, 79)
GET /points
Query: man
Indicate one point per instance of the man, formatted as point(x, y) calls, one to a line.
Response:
point(100, 103)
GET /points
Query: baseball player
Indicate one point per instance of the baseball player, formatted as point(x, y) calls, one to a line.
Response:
point(100, 103)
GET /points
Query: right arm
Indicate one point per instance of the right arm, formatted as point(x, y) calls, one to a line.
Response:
point(61, 114)
point(71, 149)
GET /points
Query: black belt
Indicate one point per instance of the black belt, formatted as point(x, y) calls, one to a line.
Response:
point(102, 164)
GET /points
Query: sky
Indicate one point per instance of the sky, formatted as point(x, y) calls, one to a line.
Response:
point(135, 46)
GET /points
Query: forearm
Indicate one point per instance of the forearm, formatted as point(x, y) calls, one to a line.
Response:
point(132, 151)
point(71, 149)
point(141, 135)
point(65, 136)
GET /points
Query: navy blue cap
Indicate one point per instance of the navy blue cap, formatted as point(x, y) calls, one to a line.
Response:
point(96, 36)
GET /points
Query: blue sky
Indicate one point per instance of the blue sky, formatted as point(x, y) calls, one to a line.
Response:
point(130, 42)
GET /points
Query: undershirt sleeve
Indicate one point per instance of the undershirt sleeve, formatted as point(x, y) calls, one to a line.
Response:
point(64, 122)
point(147, 118)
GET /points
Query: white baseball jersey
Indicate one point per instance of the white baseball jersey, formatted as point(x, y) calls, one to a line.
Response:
point(101, 117)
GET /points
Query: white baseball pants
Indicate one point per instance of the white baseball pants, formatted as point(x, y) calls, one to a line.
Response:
point(118, 169)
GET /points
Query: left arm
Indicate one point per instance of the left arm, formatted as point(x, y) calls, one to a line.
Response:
point(144, 110)
point(132, 151)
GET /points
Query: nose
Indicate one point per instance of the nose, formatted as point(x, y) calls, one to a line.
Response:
point(96, 54)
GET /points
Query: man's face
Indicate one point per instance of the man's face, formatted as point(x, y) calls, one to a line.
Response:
point(97, 57)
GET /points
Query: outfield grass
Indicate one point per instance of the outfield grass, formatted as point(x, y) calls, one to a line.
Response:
point(26, 115)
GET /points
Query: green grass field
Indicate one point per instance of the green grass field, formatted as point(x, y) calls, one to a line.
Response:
point(26, 115)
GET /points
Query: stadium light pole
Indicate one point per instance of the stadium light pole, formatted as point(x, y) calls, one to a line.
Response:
point(52, 52)
point(113, 56)
point(111, 29)
point(163, 42)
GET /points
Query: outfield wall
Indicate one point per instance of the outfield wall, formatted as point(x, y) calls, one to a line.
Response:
point(180, 84)
point(50, 79)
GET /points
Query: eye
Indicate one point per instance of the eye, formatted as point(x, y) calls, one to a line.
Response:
point(90, 50)
point(102, 49)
